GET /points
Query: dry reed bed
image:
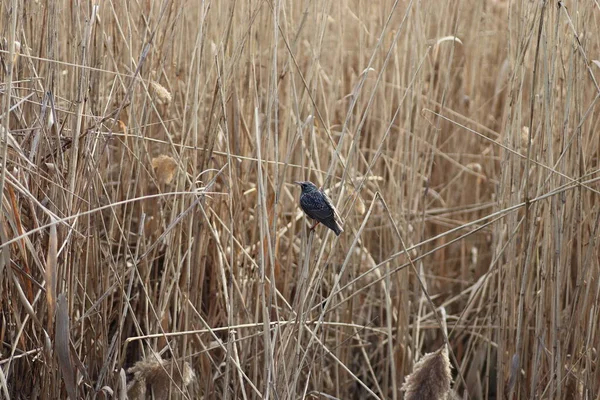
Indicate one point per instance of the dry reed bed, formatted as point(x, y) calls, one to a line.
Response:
point(151, 237)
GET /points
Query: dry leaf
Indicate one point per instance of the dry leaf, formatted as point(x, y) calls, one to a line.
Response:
point(123, 127)
point(62, 346)
point(51, 264)
point(17, 51)
point(164, 167)
point(524, 137)
point(476, 167)
point(21, 244)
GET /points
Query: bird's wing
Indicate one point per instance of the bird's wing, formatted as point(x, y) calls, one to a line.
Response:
point(335, 211)
point(316, 206)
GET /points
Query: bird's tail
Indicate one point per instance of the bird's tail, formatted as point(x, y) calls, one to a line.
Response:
point(337, 229)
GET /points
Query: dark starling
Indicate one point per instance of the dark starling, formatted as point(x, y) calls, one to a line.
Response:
point(317, 205)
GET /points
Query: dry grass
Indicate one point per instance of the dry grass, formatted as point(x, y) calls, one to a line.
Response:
point(151, 236)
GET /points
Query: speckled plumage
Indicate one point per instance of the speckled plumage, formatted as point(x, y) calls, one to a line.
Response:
point(317, 205)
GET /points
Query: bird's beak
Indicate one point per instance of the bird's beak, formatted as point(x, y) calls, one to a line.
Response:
point(298, 183)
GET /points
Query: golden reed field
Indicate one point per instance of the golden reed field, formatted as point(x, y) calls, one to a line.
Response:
point(152, 243)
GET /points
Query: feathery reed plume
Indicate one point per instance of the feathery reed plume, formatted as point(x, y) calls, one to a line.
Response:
point(162, 94)
point(154, 376)
point(431, 378)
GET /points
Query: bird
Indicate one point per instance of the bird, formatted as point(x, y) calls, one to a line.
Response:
point(317, 205)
